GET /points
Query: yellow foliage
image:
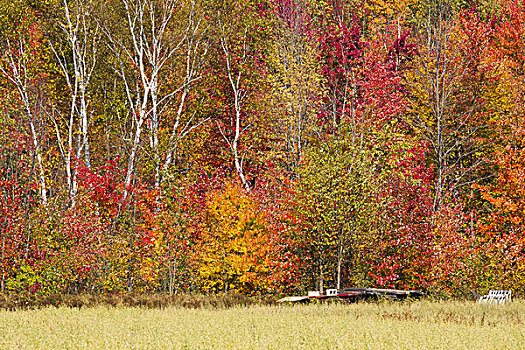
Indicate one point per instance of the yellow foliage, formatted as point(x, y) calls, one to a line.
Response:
point(236, 251)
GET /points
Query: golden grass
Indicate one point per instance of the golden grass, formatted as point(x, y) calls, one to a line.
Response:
point(416, 325)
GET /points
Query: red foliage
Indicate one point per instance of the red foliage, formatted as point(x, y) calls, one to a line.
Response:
point(404, 253)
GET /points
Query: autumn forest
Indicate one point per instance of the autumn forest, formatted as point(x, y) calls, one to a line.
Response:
point(261, 146)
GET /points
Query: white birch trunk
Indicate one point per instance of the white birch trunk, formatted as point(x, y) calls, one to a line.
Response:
point(239, 93)
point(18, 75)
point(83, 45)
point(151, 49)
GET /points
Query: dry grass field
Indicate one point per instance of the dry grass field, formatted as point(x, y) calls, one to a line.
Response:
point(416, 325)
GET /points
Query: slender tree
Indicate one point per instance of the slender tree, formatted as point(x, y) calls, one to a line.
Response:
point(81, 35)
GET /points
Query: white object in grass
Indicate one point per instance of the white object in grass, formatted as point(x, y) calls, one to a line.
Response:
point(497, 297)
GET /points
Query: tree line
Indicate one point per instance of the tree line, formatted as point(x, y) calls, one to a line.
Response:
point(261, 146)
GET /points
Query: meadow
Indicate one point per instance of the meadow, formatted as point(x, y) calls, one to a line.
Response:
point(383, 325)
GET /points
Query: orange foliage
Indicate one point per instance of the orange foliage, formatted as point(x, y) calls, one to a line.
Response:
point(239, 249)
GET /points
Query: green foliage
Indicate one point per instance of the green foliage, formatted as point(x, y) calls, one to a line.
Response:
point(336, 188)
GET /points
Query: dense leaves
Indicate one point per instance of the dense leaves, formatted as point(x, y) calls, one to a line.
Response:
point(261, 146)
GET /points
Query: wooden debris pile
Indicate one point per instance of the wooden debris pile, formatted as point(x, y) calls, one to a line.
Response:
point(356, 294)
